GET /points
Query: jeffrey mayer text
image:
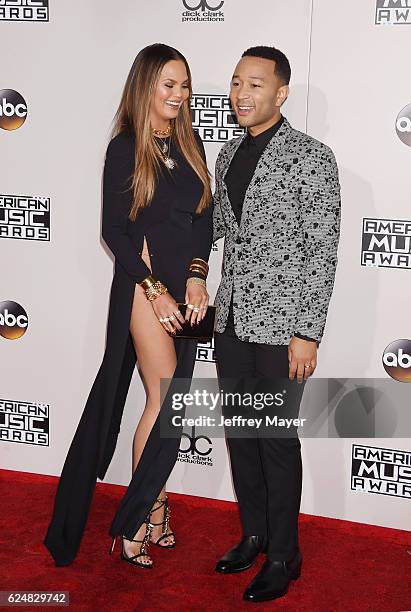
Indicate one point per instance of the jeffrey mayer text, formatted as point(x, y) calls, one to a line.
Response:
point(236, 421)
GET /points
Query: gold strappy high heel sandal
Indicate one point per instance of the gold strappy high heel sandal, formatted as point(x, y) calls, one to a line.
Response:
point(165, 523)
point(134, 559)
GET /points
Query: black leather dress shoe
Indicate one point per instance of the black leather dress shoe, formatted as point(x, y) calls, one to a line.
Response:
point(242, 556)
point(273, 579)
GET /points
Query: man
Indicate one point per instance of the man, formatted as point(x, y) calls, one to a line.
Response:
point(277, 203)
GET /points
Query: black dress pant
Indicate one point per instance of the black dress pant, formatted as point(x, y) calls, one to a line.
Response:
point(267, 472)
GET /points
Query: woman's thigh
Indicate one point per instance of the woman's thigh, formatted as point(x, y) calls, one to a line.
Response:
point(154, 348)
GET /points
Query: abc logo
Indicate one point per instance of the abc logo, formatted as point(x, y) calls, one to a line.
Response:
point(13, 320)
point(202, 4)
point(13, 109)
point(396, 360)
point(403, 125)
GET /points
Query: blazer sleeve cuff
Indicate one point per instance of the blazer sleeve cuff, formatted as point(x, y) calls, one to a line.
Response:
point(303, 337)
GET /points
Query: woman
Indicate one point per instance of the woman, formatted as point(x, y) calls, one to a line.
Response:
point(157, 221)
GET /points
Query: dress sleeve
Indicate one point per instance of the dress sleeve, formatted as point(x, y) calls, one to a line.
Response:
point(202, 225)
point(116, 207)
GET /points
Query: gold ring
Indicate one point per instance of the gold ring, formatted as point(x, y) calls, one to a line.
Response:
point(190, 306)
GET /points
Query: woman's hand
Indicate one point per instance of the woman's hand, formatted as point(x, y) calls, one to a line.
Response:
point(197, 301)
point(167, 312)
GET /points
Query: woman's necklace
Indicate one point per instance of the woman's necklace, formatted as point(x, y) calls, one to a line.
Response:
point(165, 146)
point(165, 153)
point(165, 132)
point(169, 162)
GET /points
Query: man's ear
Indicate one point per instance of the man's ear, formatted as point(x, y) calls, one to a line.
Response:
point(282, 95)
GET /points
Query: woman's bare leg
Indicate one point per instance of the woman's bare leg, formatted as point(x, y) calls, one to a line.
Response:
point(156, 359)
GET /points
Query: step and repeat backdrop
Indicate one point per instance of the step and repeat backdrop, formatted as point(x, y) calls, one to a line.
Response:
point(63, 67)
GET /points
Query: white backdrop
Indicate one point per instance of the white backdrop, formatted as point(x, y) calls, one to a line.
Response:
point(348, 85)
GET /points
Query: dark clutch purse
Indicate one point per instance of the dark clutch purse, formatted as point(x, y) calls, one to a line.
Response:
point(200, 331)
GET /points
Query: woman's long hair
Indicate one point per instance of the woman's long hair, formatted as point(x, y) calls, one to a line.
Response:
point(133, 115)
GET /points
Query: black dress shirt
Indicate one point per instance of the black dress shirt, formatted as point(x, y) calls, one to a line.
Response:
point(243, 166)
point(241, 171)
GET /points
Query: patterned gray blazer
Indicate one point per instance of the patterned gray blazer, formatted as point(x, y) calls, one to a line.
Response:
point(281, 260)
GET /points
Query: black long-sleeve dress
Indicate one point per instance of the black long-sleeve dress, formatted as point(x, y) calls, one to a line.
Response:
point(174, 234)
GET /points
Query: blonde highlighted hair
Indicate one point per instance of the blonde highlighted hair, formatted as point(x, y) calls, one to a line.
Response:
point(133, 115)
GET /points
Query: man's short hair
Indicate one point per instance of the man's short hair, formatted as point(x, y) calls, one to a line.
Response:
point(282, 65)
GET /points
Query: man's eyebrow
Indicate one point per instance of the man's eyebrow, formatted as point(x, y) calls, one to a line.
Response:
point(236, 76)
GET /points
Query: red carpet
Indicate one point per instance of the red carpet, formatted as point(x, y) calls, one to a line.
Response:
point(347, 566)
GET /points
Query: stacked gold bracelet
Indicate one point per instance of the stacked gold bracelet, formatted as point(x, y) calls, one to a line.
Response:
point(194, 280)
point(152, 288)
point(199, 266)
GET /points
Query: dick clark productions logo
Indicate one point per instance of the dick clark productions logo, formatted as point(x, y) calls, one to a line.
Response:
point(195, 449)
point(202, 10)
point(13, 109)
point(13, 320)
point(195, 5)
point(396, 360)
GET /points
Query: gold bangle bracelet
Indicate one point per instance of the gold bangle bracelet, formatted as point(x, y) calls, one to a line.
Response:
point(194, 271)
point(199, 266)
point(148, 282)
point(194, 280)
point(199, 259)
point(155, 291)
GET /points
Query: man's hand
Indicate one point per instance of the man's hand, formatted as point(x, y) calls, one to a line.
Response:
point(301, 353)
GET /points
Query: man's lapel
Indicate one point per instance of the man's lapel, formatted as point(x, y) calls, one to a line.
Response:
point(225, 164)
point(272, 151)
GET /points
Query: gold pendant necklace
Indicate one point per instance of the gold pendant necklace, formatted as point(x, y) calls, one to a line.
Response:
point(165, 152)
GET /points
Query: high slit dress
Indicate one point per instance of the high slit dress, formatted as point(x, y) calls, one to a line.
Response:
point(174, 234)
